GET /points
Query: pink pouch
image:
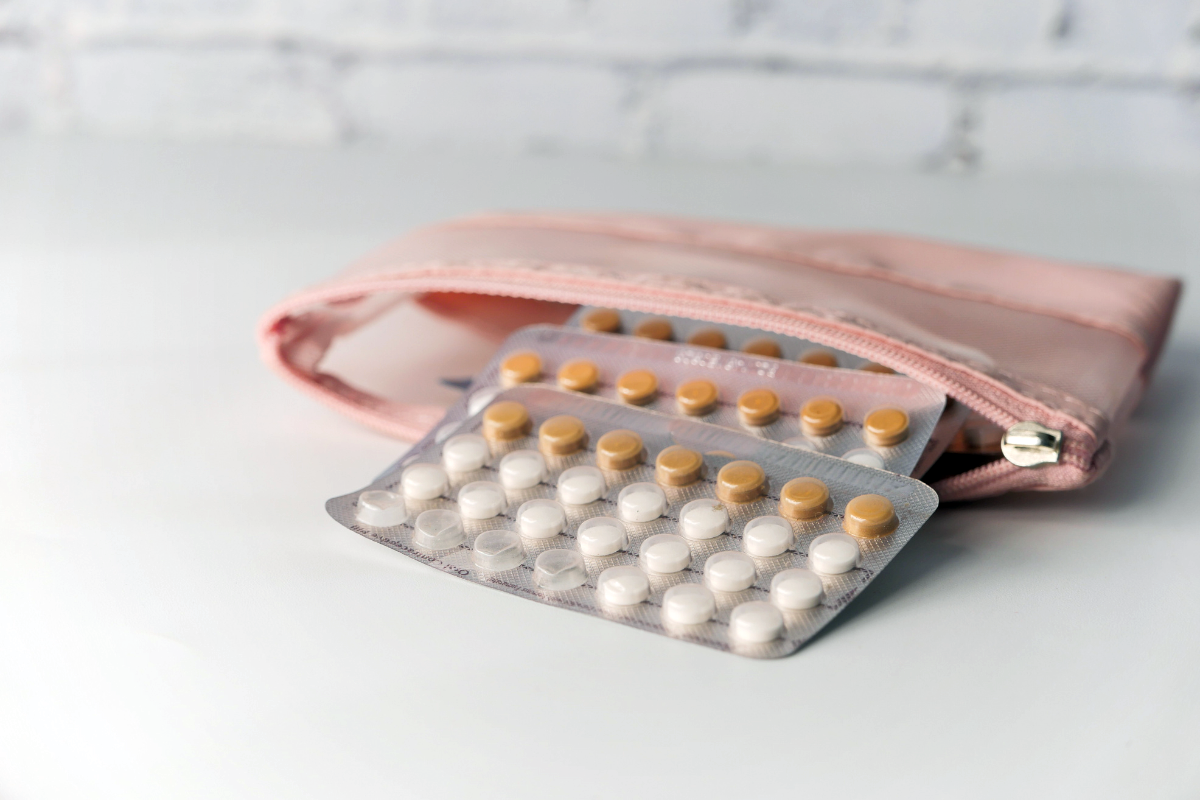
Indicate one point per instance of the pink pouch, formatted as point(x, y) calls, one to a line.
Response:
point(1017, 339)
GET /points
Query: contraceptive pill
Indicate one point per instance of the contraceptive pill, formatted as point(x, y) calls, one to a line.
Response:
point(678, 466)
point(879, 369)
point(741, 482)
point(885, 427)
point(763, 346)
point(424, 481)
point(466, 452)
point(601, 320)
point(804, 498)
point(819, 357)
point(758, 407)
point(562, 435)
point(380, 508)
point(708, 337)
point(523, 367)
point(697, 398)
point(729, 571)
point(601, 536)
point(619, 450)
point(654, 328)
point(664, 554)
point(767, 536)
point(623, 586)
point(703, 519)
point(579, 486)
point(637, 387)
point(870, 516)
point(641, 502)
point(505, 421)
point(833, 553)
point(522, 469)
point(821, 416)
point(541, 518)
point(756, 622)
point(797, 589)
point(579, 375)
point(689, 604)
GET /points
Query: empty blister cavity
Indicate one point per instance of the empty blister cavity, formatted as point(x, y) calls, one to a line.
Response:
point(424, 481)
point(558, 570)
point(541, 519)
point(601, 536)
point(522, 469)
point(756, 622)
point(623, 586)
point(665, 554)
point(834, 554)
point(703, 519)
point(579, 486)
point(466, 452)
point(797, 589)
point(380, 508)
point(689, 604)
point(498, 550)
point(767, 536)
point(641, 502)
point(438, 529)
point(729, 571)
point(482, 500)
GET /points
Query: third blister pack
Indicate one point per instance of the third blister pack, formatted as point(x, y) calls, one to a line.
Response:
point(716, 335)
point(877, 420)
point(665, 524)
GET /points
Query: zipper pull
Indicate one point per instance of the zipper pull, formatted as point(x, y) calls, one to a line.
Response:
point(1031, 444)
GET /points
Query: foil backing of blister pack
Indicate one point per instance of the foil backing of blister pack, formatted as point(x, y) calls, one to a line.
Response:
point(733, 373)
point(913, 501)
point(736, 336)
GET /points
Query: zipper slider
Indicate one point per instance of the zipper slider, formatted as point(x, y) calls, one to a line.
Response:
point(1031, 444)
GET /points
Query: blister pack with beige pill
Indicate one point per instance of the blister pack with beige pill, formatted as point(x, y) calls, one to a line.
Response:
point(879, 420)
point(660, 522)
point(717, 335)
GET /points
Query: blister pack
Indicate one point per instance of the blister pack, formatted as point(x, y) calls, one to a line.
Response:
point(877, 420)
point(658, 522)
point(716, 335)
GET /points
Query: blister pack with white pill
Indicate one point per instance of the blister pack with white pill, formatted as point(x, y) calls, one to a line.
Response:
point(655, 521)
point(877, 420)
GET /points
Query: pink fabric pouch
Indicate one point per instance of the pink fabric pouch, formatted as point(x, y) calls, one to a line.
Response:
point(1028, 342)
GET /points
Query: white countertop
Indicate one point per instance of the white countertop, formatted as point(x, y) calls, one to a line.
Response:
point(179, 617)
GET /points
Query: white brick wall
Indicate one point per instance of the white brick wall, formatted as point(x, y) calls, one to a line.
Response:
point(933, 84)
